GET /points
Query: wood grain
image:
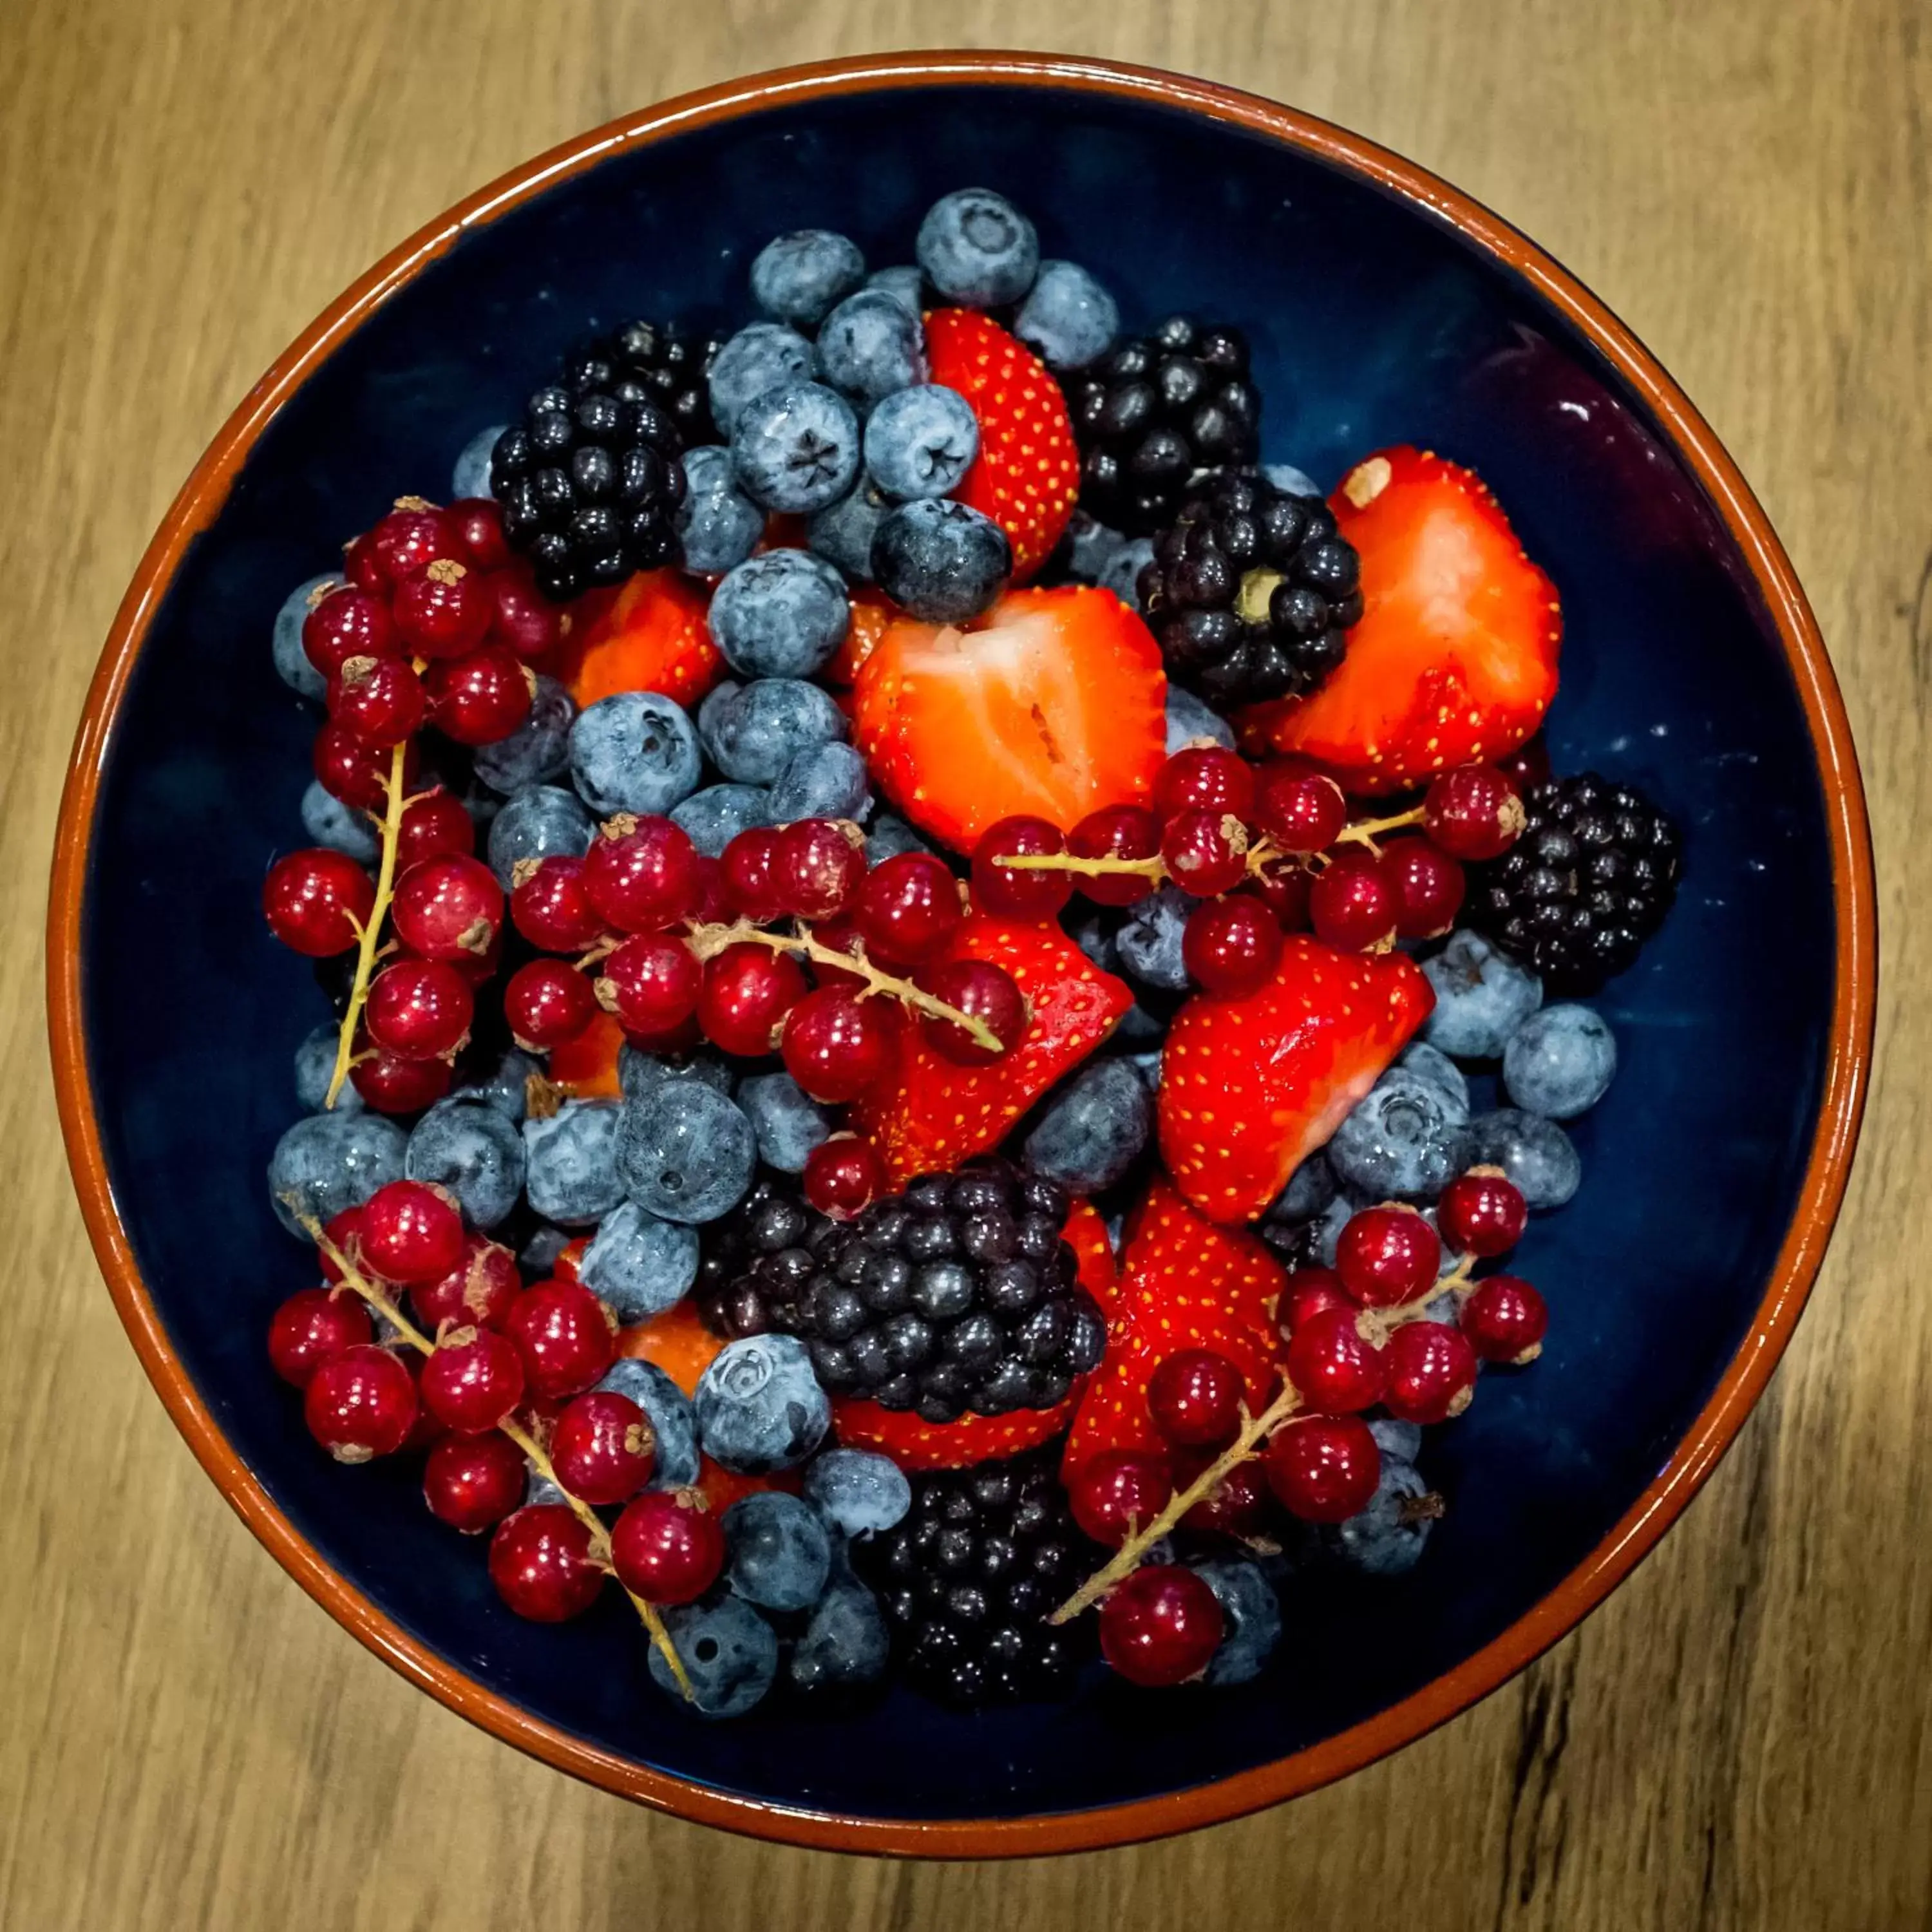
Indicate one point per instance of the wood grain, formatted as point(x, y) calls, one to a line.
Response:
point(1740, 1739)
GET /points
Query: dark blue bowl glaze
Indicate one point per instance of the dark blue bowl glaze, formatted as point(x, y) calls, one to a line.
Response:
point(1373, 322)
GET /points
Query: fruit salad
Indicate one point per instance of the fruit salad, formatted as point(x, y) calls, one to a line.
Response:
point(951, 987)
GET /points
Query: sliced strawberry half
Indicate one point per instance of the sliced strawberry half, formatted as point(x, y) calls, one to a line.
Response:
point(1054, 704)
point(1454, 660)
point(1249, 1087)
point(1086, 1233)
point(648, 634)
point(914, 1444)
point(934, 1114)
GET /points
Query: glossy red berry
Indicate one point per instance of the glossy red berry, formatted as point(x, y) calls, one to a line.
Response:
point(842, 1175)
point(482, 698)
point(1160, 1626)
point(1309, 1290)
point(908, 908)
point(1237, 1505)
point(1118, 1492)
point(1205, 852)
point(476, 1293)
point(313, 1327)
point(479, 529)
point(317, 901)
point(1300, 810)
point(1428, 886)
point(1336, 1370)
point(550, 907)
point(434, 824)
point(835, 1046)
point(546, 1002)
point(817, 866)
point(1505, 1320)
point(1352, 903)
point(566, 1336)
point(1230, 946)
point(473, 1381)
point(541, 1563)
point(521, 616)
point(1205, 778)
point(388, 1084)
point(420, 1008)
point(1324, 1469)
point(602, 1448)
point(839, 934)
point(651, 983)
point(1033, 896)
point(1474, 812)
point(982, 991)
point(347, 623)
point(1115, 832)
point(442, 611)
point(1482, 1213)
point(1195, 1397)
point(642, 874)
point(1387, 1255)
point(668, 1548)
point(1282, 885)
point(344, 1231)
point(380, 700)
point(356, 772)
point(1432, 1372)
point(360, 566)
point(473, 1482)
point(412, 536)
point(360, 1404)
point(411, 1232)
point(747, 990)
point(749, 864)
point(449, 908)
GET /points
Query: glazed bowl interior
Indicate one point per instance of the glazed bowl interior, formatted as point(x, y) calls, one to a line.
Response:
point(1374, 320)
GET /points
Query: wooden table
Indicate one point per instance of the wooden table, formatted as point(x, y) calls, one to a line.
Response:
point(1742, 1737)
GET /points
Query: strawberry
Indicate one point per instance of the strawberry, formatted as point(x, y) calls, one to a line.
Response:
point(1454, 660)
point(914, 1444)
point(872, 613)
point(677, 1341)
point(1086, 1233)
point(648, 634)
point(1054, 704)
point(933, 1113)
point(586, 1068)
point(1185, 1284)
point(1251, 1087)
point(1027, 475)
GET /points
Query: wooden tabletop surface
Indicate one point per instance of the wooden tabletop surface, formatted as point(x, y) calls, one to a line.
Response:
point(1742, 1737)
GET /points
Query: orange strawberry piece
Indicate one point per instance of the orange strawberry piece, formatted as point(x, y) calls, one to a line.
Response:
point(1249, 1087)
point(872, 614)
point(586, 1068)
point(570, 1258)
point(1454, 660)
point(914, 1444)
point(1054, 703)
point(721, 1487)
point(648, 634)
point(677, 1341)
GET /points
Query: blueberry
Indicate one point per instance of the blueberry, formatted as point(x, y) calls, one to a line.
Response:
point(1482, 996)
point(857, 1491)
point(1250, 1615)
point(639, 1073)
point(1387, 1538)
point(842, 532)
point(845, 1642)
point(1310, 1188)
point(538, 1256)
point(798, 277)
point(541, 1490)
point(1328, 1228)
point(636, 751)
point(1401, 1441)
point(686, 1153)
point(1534, 1153)
point(315, 1068)
point(943, 560)
point(977, 248)
point(668, 1410)
point(1148, 943)
point(1089, 546)
point(763, 356)
point(542, 823)
point(921, 442)
point(904, 282)
point(759, 1407)
point(470, 1148)
point(712, 818)
point(1093, 933)
point(1430, 1064)
point(777, 1552)
point(1285, 476)
point(1139, 1027)
point(329, 1162)
point(871, 346)
point(1092, 1129)
point(503, 1083)
point(471, 476)
point(570, 1162)
point(795, 447)
point(1406, 1140)
point(292, 662)
point(1123, 569)
point(329, 822)
point(1560, 1062)
point(1146, 1068)
point(781, 614)
point(729, 1652)
point(822, 781)
point(1191, 721)
point(787, 1122)
point(1068, 320)
point(718, 524)
point(753, 731)
point(538, 749)
point(889, 838)
point(639, 1265)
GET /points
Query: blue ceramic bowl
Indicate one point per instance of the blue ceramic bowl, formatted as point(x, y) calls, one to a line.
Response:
point(1383, 308)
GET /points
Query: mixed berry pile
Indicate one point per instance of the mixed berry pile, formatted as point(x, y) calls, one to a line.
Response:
point(910, 928)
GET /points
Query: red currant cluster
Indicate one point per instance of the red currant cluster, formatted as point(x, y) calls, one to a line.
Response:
point(1267, 851)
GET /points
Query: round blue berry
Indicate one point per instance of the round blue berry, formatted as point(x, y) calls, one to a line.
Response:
point(1122, 572)
point(944, 561)
point(315, 1068)
point(1250, 1616)
point(1090, 547)
point(718, 525)
point(473, 1150)
point(331, 1161)
point(798, 277)
point(538, 749)
point(1560, 1062)
point(1405, 1140)
point(1146, 1067)
point(842, 532)
point(822, 781)
point(1192, 722)
point(760, 357)
point(795, 447)
point(543, 823)
point(342, 827)
point(778, 1553)
point(1482, 996)
point(1093, 1128)
point(729, 1652)
point(712, 818)
point(1068, 319)
point(471, 476)
point(1431, 1064)
point(786, 1121)
point(780, 615)
point(1310, 1188)
point(673, 1419)
point(753, 731)
point(889, 838)
point(292, 662)
point(639, 1073)
point(760, 1408)
point(1328, 1227)
point(870, 346)
point(845, 1641)
point(921, 442)
point(686, 1152)
point(538, 1256)
point(503, 1083)
point(634, 751)
point(977, 248)
point(1535, 1154)
point(570, 1162)
point(857, 1490)
point(1387, 1537)
point(906, 285)
point(1400, 1440)
point(1148, 943)
point(639, 1265)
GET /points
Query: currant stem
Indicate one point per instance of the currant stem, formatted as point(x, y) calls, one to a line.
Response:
point(1153, 867)
point(369, 942)
point(1365, 832)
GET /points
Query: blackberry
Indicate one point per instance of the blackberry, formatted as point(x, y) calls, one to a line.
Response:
point(1589, 880)
point(968, 1578)
point(1249, 592)
point(1156, 411)
point(756, 1262)
point(957, 1295)
point(589, 481)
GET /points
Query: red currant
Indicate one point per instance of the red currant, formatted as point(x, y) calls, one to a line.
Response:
point(1205, 852)
point(1033, 896)
point(601, 1448)
point(482, 698)
point(839, 934)
point(1282, 885)
point(566, 1336)
point(521, 616)
point(391, 1084)
point(442, 611)
point(835, 1046)
point(412, 535)
point(1195, 1397)
point(1231, 946)
point(1506, 1320)
point(380, 700)
point(1115, 832)
point(317, 900)
point(1482, 1213)
point(1432, 1372)
point(314, 1326)
point(1205, 778)
point(1474, 812)
point(347, 623)
point(1237, 1505)
point(1428, 886)
point(449, 908)
point(714, 904)
point(1387, 1255)
point(751, 883)
point(817, 866)
point(434, 824)
point(747, 990)
point(551, 907)
point(360, 1404)
point(1300, 810)
point(360, 567)
point(546, 1003)
point(982, 991)
point(473, 1482)
point(668, 1548)
point(420, 1008)
point(642, 873)
point(411, 1232)
point(1309, 1290)
point(344, 1231)
point(479, 529)
point(909, 908)
point(541, 1563)
point(473, 1381)
point(1335, 1369)
point(1352, 903)
point(1324, 1469)
point(1118, 1492)
point(1160, 1626)
point(842, 1175)
point(476, 1293)
point(651, 983)
point(356, 772)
